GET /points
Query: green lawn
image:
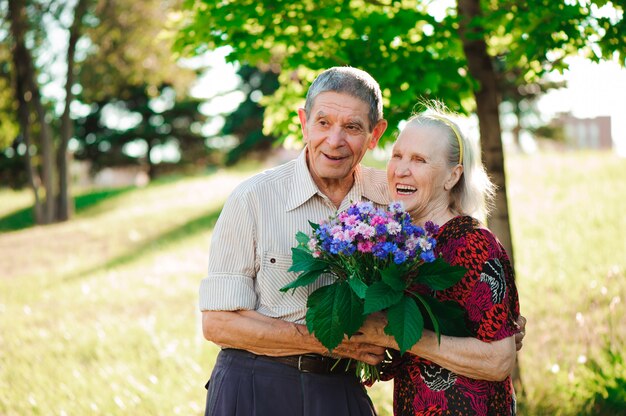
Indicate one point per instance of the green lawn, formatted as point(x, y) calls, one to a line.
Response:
point(99, 315)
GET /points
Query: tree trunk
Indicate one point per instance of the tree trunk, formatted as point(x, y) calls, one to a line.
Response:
point(23, 115)
point(24, 65)
point(151, 167)
point(487, 102)
point(65, 206)
point(487, 107)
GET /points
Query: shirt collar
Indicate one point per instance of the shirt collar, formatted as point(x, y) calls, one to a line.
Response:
point(304, 188)
point(366, 187)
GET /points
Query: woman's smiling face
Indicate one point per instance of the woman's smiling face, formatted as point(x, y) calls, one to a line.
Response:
point(418, 170)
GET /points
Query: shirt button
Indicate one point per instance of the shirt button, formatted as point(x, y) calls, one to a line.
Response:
point(272, 260)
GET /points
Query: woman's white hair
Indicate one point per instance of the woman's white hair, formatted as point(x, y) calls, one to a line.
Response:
point(474, 193)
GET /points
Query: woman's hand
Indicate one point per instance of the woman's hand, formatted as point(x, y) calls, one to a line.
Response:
point(373, 331)
point(521, 332)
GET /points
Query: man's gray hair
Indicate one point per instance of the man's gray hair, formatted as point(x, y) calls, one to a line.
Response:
point(352, 81)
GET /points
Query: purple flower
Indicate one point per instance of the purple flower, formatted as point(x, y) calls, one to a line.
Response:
point(431, 227)
point(396, 207)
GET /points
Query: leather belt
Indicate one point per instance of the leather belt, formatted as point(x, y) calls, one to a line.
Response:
point(311, 363)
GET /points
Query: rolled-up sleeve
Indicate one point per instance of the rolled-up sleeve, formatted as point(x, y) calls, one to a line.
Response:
point(233, 265)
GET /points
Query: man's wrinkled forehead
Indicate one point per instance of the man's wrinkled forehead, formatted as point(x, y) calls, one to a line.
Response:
point(340, 105)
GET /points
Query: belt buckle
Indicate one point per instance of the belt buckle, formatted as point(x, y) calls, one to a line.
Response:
point(300, 364)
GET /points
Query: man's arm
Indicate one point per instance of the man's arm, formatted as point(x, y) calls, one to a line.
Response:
point(257, 333)
point(470, 357)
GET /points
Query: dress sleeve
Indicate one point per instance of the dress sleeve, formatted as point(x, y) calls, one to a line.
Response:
point(233, 264)
point(488, 290)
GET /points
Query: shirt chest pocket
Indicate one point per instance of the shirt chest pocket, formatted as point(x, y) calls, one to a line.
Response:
point(272, 276)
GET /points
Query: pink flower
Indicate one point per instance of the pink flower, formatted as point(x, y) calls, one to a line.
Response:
point(349, 234)
point(377, 219)
point(365, 230)
point(350, 220)
point(339, 236)
point(365, 246)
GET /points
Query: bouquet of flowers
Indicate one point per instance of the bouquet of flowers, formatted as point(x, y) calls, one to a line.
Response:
point(379, 260)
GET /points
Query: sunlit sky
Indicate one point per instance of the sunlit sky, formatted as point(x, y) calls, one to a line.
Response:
point(593, 90)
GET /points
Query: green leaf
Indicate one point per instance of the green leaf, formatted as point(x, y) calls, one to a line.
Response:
point(333, 311)
point(439, 274)
point(304, 279)
point(394, 277)
point(302, 260)
point(431, 315)
point(312, 304)
point(405, 323)
point(358, 286)
point(351, 311)
point(302, 238)
point(450, 316)
point(314, 225)
point(380, 296)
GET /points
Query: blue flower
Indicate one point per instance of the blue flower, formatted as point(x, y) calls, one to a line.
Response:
point(365, 207)
point(349, 249)
point(428, 256)
point(399, 257)
point(353, 210)
point(382, 250)
point(381, 229)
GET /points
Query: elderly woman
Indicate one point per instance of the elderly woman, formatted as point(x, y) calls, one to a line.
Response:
point(435, 172)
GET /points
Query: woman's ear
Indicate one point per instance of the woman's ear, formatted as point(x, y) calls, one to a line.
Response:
point(453, 177)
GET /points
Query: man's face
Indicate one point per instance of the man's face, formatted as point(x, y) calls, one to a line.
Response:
point(337, 135)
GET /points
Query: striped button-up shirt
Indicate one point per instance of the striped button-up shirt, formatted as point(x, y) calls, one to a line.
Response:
point(252, 239)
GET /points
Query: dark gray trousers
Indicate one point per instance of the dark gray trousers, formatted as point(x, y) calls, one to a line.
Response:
point(244, 384)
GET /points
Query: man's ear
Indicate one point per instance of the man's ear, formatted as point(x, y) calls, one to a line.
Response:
point(302, 117)
point(453, 178)
point(377, 133)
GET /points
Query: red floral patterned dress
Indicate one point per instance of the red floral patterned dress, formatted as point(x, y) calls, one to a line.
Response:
point(488, 294)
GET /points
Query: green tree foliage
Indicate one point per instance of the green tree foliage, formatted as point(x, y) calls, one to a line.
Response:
point(246, 122)
point(396, 43)
point(130, 45)
point(157, 122)
point(112, 49)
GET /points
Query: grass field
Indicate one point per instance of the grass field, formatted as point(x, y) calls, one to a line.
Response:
point(98, 315)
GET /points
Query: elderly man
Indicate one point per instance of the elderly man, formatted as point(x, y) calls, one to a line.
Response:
point(269, 363)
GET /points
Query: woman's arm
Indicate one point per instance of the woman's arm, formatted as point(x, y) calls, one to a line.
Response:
point(470, 357)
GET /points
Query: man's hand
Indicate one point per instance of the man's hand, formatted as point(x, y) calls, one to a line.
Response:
point(521, 332)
